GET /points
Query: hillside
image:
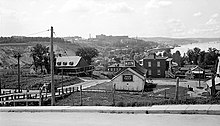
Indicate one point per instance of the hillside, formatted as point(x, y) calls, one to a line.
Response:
point(7, 51)
point(23, 45)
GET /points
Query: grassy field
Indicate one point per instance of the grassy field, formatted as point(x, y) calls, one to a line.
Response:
point(33, 82)
point(102, 95)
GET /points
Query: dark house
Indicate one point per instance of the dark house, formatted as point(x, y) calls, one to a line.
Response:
point(73, 65)
point(157, 66)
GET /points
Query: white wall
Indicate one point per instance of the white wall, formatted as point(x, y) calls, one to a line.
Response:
point(136, 85)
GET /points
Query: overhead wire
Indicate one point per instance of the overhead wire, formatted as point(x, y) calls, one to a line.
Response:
point(38, 32)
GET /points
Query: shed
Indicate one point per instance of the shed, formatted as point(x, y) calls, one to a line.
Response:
point(130, 78)
point(217, 83)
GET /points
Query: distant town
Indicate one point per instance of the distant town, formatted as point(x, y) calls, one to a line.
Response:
point(108, 70)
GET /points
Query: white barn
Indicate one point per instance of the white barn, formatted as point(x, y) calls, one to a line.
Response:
point(130, 78)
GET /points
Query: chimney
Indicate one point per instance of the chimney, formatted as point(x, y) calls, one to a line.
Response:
point(154, 55)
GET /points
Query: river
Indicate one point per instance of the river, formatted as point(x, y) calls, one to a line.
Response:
point(203, 46)
point(105, 119)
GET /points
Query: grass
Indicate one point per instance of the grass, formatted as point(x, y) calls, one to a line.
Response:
point(33, 82)
point(123, 98)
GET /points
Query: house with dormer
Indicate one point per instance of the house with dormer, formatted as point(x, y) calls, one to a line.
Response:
point(73, 65)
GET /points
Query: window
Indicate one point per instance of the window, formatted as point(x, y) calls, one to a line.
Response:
point(64, 63)
point(58, 63)
point(158, 63)
point(149, 72)
point(127, 78)
point(158, 72)
point(149, 64)
point(70, 63)
point(129, 63)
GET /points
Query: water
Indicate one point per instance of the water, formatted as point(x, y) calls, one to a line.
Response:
point(203, 46)
point(104, 119)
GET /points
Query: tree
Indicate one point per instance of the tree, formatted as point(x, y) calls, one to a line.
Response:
point(40, 56)
point(201, 59)
point(211, 56)
point(132, 53)
point(196, 55)
point(87, 53)
point(167, 53)
point(177, 57)
point(190, 55)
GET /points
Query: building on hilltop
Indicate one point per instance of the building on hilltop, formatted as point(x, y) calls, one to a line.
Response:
point(102, 36)
point(73, 65)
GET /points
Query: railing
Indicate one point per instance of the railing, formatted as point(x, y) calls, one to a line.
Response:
point(75, 70)
point(38, 96)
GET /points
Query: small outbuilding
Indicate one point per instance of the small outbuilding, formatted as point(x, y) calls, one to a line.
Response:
point(131, 77)
point(217, 84)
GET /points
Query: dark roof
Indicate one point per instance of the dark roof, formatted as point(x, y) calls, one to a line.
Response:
point(116, 65)
point(138, 68)
point(155, 57)
point(188, 67)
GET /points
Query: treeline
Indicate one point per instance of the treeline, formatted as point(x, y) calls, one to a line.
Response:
point(195, 56)
point(21, 39)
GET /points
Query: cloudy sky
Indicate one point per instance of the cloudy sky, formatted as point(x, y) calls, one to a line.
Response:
point(143, 18)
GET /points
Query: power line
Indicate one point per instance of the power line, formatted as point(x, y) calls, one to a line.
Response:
point(38, 32)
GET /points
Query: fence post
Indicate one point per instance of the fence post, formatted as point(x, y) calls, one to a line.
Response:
point(81, 96)
point(213, 86)
point(66, 90)
point(113, 95)
point(14, 99)
point(40, 94)
point(177, 89)
point(26, 98)
point(59, 91)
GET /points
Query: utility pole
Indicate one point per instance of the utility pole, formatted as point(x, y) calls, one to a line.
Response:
point(113, 95)
point(0, 86)
point(199, 79)
point(177, 89)
point(18, 56)
point(62, 82)
point(213, 86)
point(81, 102)
point(52, 69)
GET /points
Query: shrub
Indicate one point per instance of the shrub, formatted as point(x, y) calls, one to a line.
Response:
point(120, 104)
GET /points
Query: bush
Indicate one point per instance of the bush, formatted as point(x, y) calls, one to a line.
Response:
point(120, 104)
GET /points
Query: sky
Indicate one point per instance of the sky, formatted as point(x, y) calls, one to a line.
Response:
point(142, 18)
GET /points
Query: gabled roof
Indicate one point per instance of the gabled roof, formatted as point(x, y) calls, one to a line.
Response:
point(197, 68)
point(74, 59)
point(188, 67)
point(117, 65)
point(156, 57)
point(132, 71)
point(138, 69)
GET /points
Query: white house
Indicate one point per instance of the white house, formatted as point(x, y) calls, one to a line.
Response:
point(73, 65)
point(130, 78)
